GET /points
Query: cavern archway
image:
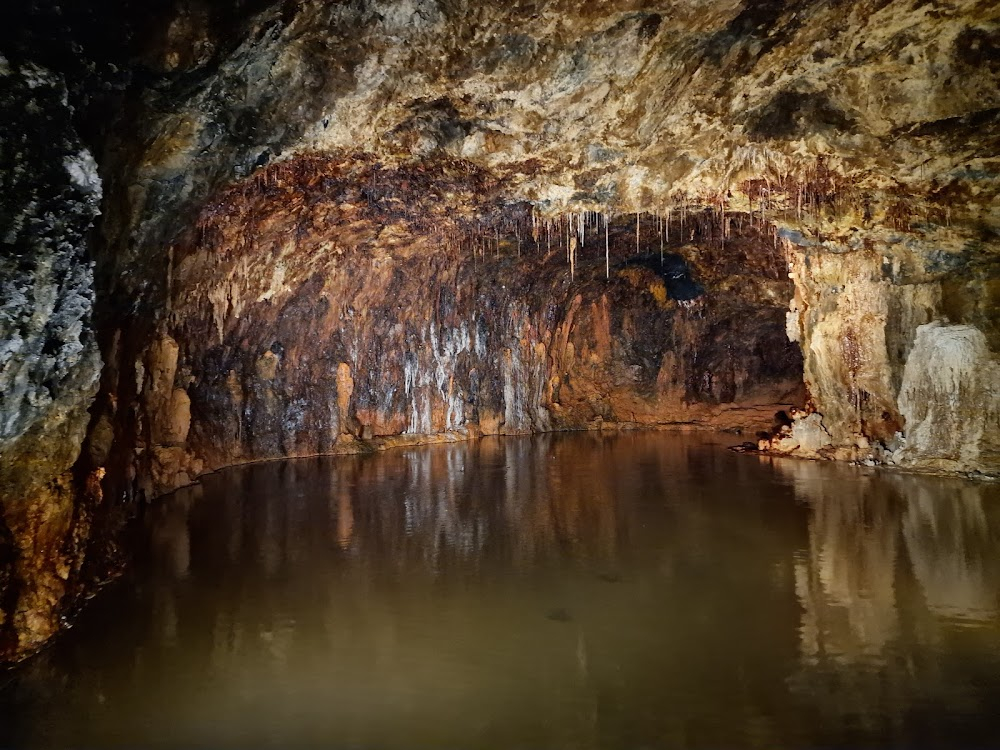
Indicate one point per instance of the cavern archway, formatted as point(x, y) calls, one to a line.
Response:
point(327, 303)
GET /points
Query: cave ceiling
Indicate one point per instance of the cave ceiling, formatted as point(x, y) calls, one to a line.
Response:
point(832, 116)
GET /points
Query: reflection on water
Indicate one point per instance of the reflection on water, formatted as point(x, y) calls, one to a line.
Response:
point(883, 543)
point(899, 586)
point(583, 591)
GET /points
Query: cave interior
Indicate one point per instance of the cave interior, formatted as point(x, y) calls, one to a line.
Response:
point(261, 229)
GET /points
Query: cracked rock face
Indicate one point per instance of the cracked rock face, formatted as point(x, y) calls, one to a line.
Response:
point(49, 361)
point(339, 226)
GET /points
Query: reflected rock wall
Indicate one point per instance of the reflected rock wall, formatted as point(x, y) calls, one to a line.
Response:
point(588, 575)
point(904, 565)
point(467, 580)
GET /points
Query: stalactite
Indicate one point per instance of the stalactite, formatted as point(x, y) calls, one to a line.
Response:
point(607, 248)
point(659, 230)
point(722, 209)
point(569, 233)
point(636, 232)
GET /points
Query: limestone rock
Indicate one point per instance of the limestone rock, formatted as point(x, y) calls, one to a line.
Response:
point(950, 400)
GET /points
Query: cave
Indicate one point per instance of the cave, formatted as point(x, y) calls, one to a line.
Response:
point(335, 235)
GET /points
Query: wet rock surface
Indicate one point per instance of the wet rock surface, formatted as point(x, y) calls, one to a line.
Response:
point(310, 321)
point(899, 342)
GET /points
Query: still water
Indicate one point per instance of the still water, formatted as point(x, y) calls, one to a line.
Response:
point(587, 591)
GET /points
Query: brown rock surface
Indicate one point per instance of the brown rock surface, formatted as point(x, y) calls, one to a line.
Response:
point(307, 315)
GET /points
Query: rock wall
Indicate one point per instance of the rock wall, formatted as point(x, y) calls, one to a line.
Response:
point(901, 343)
point(49, 360)
point(303, 323)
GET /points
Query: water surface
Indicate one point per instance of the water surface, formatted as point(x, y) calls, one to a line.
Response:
point(586, 591)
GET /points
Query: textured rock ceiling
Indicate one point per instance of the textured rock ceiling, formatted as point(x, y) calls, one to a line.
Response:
point(889, 110)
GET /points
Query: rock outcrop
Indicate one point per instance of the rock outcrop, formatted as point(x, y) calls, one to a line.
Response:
point(49, 359)
point(900, 345)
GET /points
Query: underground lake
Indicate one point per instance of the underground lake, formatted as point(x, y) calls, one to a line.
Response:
point(595, 590)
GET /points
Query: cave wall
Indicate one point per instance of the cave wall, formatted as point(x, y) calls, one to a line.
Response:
point(49, 358)
point(864, 134)
point(900, 343)
point(305, 321)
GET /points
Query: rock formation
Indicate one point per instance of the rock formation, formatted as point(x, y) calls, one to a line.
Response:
point(337, 226)
point(49, 359)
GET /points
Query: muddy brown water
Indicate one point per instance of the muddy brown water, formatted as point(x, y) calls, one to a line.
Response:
point(582, 591)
